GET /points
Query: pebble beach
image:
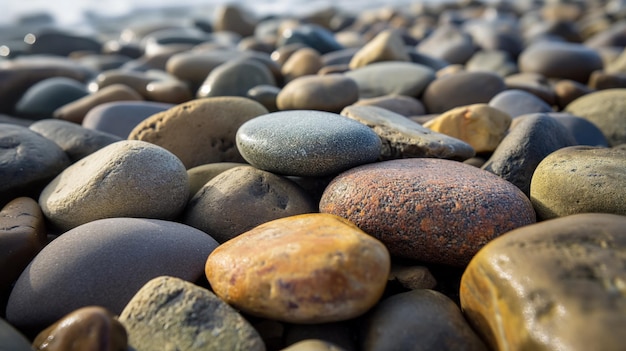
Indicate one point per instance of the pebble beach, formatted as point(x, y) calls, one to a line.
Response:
point(410, 176)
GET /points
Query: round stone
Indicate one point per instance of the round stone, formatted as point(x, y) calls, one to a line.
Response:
point(449, 43)
point(585, 132)
point(41, 99)
point(560, 60)
point(312, 268)
point(430, 210)
point(517, 102)
point(121, 117)
point(200, 175)
point(302, 62)
point(386, 46)
point(330, 93)
point(388, 78)
point(235, 78)
point(306, 143)
point(607, 110)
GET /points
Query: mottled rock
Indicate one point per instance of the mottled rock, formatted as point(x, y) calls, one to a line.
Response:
point(330, 93)
point(89, 265)
point(200, 131)
point(403, 138)
point(389, 78)
point(449, 43)
point(440, 325)
point(306, 143)
point(87, 328)
point(200, 175)
point(311, 268)
point(235, 78)
point(430, 210)
point(42, 98)
point(126, 179)
point(607, 110)
point(401, 104)
point(580, 179)
point(517, 102)
point(75, 111)
point(119, 118)
point(514, 302)
point(11, 339)
point(386, 46)
point(560, 60)
point(168, 313)
point(302, 62)
point(242, 198)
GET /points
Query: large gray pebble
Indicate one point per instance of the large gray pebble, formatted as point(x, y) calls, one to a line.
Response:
point(387, 78)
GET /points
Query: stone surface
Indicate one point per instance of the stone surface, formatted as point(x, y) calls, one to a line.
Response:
point(330, 93)
point(126, 179)
point(431, 210)
point(87, 328)
point(235, 78)
point(242, 198)
point(440, 325)
point(386, 46)
point(534, 137)
point(171, 91)
point(481, 126)
point(11, 339)
point(306, 143)
point(120, 118)
point(449, 43)
point(580, 179)
point(313, 345)
point(168, 313)
point(412, 277)
point(560, 60)
point(583, 131)
point(76, 141)
point(266, 95)
point(401, 104)
point(312, 268)
point(403, 138)
point(200, 175)
point(387, 78)
point(91, 265)
point(607, 110)
point(515, 302)
point(516, 102)
point(200, 131)
point(41, 99)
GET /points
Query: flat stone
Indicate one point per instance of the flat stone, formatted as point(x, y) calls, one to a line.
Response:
point(387, 78)
point(580, 179)
point(89, 265)
point(235, 78)
point(11, 339)
point(481, 126)
point(312, 268)
point(607, 110)
point(87, 328)
point(560, 60)
point(242, 198)
point(42, 98)
point(126, 179)
point(403, 138)
point(330, 93)
point(534, 137)
point(200, 175)
point(200, 131)
point(121, 117)
point(169, 313)
point(449, 43)
point(517, 102)
point(306, 143)
point(430, 210)
point(441, 326)
point(584, 132)
point(401, 104)
point(514, 302)
point(386, 46)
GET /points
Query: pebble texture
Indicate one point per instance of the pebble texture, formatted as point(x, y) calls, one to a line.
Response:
point(168, 313)
point(403, 138)
point(306, 143)
point(430, 210)
point(461, 89)
point(91, 265)
point(312, 268)
point(580, 179)
point(330, 93)
point(386, 78)
point(515, 303)
point(607, 110)
point(560, 60)
point(126, 179)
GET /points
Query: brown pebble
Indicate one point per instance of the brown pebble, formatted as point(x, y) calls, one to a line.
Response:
point(77, 110)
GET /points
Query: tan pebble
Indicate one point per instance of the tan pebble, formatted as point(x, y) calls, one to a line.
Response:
point(77, 110)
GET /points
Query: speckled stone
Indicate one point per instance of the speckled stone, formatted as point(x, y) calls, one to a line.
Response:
point(121, 117)
point(584, 132)
point(330, 93)
point(41, 99)
point(312, 268)
point(76, 141)
point(560, 60)
point(387, 78)
point(580, 179)
point(126, 179)
point(200, 131)
point(386, 46)
point(168, 313)
point(403, 138)
point(235, 78)
point(89, 265)
point(200, 175)
point(607, 110)
point(11, 339)
point(401, 104)
point(440, 325)
point(430, 210)
point(88, 328)
point(306, 143)
point(242, 198)
point(533, 138)
point(515, 303)
point(517, 102)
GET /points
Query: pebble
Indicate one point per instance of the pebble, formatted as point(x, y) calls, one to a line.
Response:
point(233, 18)
point(386, 46)
point(302, 62)
point(567, 91)
point(241, 198)
point(449, 43)
point(430, 210)
point(125, 179)
point(533, 83)
point(514, 302)
point(121, 117)
point(89, 265)
point(311, 35)
point(606, 109)
point(170, 91)
point(306, 143)
point(200, 175)
point(392, 78)
point(87, 328)
point(135, 80)
point(266, 95)
point(401, 104)
point(61, 43)
point(313, 345)
point(312, 268)
point(412, 277)
point(330, 93)
point(580, 179)
point(235, 78)
point(169, 313)
point(517, 102)
point(403, 138)
point(42, 98)
point(11, 338)
point(336, 335)
point(583, 131)
point(499, 62)
point(440, 325)
point(200, 131)
point(560, 60)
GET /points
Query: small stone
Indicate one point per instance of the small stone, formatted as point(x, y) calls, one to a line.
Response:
point(514, 302)
point(448, 43)
point(412, 277)
point(311, 35)
point(481, 126)
point(607, 110)
point(171, 91)
point(583, 131)
point(233, 18)
point(386, 46)
point(75, 111)
point(120, 118)
point(338, 334)
point(41, 99)
point(401, 104)
point(499, 62)
point(266, 95)
point(306, 143)
point(560, 60)
point(235, 78)
point(302, 62)
point(389, 78)
point(200, 175)
point(580, 179)
point(11, 339)
point(169, 313)
point(313, 345)
point(517, 102)
point(137, 81)
point(533, 83)
point(88, 328)
point(329, 93)
point(312, 268)
point(567, 91)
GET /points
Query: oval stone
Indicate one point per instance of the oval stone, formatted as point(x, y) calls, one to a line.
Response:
point(386, 78)
point(517, 102)
point(121, 117)
point(200, 175)
point(386, 46)
point(235, 78)
point(312, 268)
point(449, 43)
point(585, 132)
point(430, 210)
point(41, 99)
point(607, 110)
point(306, 143)
point(302, 62)
point(330, 93)
point(560, 60)
point(126, 179)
